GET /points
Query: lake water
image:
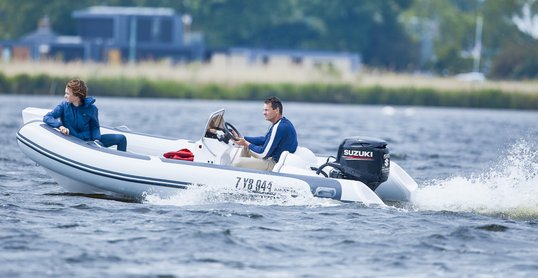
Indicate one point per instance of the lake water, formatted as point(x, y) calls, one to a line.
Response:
point(475, 214)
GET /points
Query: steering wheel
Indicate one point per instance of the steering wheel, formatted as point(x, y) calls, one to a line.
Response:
point(229, 130)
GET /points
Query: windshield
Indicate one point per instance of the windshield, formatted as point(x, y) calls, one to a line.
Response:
point(214, 123)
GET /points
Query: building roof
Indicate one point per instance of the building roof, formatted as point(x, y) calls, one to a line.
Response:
point(112, 10)
point(43, 34)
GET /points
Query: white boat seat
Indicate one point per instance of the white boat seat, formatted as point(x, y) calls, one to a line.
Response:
point(302, 158)
point(307, 155)
point(281, 161)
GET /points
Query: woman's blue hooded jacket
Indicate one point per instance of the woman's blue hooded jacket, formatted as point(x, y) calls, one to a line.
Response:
point(82, 121)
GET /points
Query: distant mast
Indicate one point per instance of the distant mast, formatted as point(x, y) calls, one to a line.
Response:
point(477, 51)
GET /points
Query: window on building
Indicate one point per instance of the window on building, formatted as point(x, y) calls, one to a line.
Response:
point(143, 33)
point(96, 28)
point(166, 31)
point(156, 30)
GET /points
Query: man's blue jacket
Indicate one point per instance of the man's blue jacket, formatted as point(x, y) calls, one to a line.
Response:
point(82, 121)
point(280, 137)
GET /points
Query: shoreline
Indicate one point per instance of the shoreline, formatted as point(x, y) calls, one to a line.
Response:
point(252, 82)
point(236, 73)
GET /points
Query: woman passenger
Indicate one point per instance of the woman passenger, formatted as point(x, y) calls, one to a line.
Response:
point(79, 117)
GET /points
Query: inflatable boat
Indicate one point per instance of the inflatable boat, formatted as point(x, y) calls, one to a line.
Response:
point(361, 171)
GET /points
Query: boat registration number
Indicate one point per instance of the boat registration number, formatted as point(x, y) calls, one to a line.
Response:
point(254, 185)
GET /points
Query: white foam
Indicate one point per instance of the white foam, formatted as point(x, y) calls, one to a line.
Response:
point(509, 188)
point(388, 111)
point(409, 112)
point(220, 194)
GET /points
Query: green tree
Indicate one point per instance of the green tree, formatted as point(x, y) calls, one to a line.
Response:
point(388, 33)
point(454, 23)
point(450, 27)
point(516, 54)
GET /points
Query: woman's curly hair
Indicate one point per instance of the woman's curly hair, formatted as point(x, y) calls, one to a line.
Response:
point(78, 88)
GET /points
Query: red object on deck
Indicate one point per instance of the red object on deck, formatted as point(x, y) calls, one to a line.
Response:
point(183, 154)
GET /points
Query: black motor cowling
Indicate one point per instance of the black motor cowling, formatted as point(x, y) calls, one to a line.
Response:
point(364, 159)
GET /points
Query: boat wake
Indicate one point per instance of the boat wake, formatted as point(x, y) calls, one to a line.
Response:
point(205, 195)
point(509, 189)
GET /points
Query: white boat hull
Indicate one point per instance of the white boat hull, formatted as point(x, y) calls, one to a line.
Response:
point(81, 167)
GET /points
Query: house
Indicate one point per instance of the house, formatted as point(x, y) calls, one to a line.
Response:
point(117, 34)
point(327, 60)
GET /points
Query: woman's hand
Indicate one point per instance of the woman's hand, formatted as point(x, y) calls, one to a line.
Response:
point(64, 130)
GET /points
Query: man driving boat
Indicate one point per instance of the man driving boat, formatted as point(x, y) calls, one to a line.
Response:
point(263, 152)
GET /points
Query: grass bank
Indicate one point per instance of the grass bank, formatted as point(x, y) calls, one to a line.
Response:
point(255, 83)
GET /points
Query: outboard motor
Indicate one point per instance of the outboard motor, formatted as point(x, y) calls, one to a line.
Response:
point(364, 159)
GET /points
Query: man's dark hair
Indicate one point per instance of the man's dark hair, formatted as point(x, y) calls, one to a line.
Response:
point(275, 103)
